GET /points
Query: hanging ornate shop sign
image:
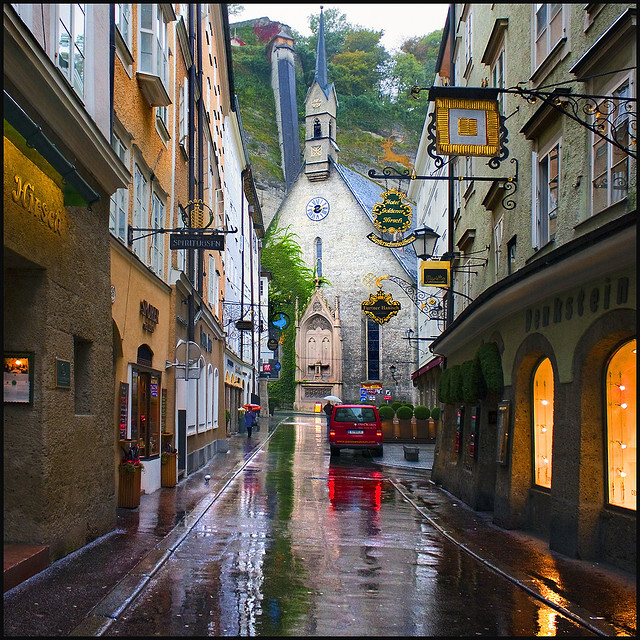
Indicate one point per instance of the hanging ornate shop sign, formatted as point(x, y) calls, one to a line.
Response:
point(392, 216)
point(467, 127)
point(435, 273)
point(380, 307)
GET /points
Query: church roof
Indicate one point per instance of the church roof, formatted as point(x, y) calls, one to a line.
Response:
point(368, 193)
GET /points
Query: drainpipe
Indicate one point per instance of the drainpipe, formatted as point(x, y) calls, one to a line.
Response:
point(112, 59)
point(451, 199)
point(242, 278)
point(200, 107)
point(191, 102)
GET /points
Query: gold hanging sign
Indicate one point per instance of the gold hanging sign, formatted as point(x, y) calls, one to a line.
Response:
point(467, 125)
point(435, 273)
point(392, 216)
point(380, 307)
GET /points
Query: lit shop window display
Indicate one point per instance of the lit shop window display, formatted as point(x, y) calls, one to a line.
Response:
point(543, 423)
point(621, 426)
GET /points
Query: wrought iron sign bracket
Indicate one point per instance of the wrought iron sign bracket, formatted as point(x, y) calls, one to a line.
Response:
point(510, 184)
point(597, 113)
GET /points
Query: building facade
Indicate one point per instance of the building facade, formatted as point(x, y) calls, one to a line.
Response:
point(547, 273)
point(59, 174)
point(339, 349)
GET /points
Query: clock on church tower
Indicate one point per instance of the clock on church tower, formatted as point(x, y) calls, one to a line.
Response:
point(317, 208)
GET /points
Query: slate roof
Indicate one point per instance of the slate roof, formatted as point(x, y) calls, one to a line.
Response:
point(368, 193)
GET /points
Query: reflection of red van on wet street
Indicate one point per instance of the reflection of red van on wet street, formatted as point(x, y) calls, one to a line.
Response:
point(355, 426)
point(351, 488)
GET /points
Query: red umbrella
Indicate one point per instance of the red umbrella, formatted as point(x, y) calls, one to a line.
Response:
point(251, 407)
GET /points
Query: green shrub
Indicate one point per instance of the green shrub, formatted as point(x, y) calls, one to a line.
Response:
point(407, 404)
point(421, 412)
point(395, 405)
point(491, 366)
point(386, 412)
point(455, 385)
point(474, 387)
point(404, 412)
point(435, 413)
point(444, 386)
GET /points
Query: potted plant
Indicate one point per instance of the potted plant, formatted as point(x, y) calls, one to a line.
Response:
point(129, 477)
point(404, 414)
point(421, 414)
point(386, 417)
point(169, 468)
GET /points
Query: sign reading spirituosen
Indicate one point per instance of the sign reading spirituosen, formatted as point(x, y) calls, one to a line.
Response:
point(212, 242)
point(380, 307)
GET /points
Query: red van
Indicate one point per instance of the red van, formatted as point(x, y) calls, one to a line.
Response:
point(355, 426)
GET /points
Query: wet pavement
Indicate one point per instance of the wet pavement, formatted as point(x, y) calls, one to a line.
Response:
point(260, 538)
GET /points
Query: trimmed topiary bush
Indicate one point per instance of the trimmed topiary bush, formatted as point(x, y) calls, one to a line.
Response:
point(395, 405)
point(473, 385)
point(435, 413)
point(444, 394)
point(491, 366)
point(421, 412)
point(404, 412)
point(386, 412)
point(455, 385)
point(408, 404)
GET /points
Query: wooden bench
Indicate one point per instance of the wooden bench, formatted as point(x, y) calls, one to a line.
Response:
point(411, 453)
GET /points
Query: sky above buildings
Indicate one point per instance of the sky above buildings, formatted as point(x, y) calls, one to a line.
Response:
point(398, 21)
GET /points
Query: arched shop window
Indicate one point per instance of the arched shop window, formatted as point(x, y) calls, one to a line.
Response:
point(543, 423)
point(621, 426)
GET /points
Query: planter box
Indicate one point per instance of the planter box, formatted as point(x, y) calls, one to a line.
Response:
point(169, 471)
point(422, 428)
point(405, 432)
point(387, 430)
point(129, 488)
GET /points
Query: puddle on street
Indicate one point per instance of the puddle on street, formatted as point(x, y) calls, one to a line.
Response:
point(301, 544)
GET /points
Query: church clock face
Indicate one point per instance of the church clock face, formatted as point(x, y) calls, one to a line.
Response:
point(317, 208)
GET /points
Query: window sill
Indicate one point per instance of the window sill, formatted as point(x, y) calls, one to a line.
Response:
point(153, 89)
point(550, 62)
point(162, 130)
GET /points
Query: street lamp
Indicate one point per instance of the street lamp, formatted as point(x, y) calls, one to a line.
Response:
point(392, 368)
point(425, 242)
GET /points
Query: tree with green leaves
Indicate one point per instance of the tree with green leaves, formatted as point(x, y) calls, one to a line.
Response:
point(291, 280)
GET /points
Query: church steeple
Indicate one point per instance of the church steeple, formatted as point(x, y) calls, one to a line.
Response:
point(321, 57)
point(321, 105)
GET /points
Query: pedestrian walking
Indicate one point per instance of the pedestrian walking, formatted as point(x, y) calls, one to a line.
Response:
point(328, 409)
point(250, 421)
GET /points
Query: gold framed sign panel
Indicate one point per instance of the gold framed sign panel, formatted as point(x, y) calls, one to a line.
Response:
point(435, 273)
point(380, 307)
point(467, 127)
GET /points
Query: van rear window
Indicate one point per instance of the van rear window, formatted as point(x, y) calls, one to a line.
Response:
point(354, 414)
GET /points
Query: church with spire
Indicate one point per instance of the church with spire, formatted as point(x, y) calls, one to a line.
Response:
point(340, 350)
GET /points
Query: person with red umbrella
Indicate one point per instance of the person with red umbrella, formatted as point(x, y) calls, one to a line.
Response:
point(250, 421)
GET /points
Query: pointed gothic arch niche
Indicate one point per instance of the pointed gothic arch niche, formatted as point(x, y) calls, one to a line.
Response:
point(317, 359)
point(317, 129)
point(318, 353)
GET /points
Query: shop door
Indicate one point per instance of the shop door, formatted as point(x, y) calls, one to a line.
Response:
point(145, 421)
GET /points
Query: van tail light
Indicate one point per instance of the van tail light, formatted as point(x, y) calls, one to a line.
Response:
point(379, 434)
point(332, 432)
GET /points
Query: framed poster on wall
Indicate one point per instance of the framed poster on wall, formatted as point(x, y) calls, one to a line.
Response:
point(503, 432)
point(18, 377)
